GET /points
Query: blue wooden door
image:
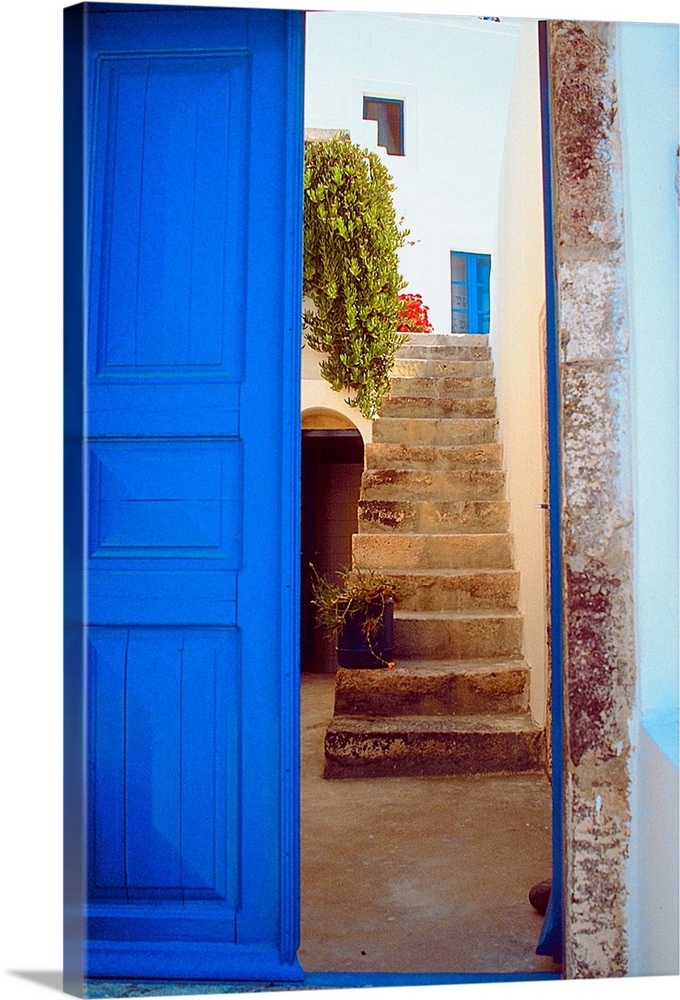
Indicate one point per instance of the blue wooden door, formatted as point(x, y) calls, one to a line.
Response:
point(192, 223)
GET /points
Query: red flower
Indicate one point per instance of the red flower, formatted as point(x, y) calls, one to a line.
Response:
point(413, 315)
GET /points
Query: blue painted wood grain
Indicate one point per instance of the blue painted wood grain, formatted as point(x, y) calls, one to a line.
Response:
point(192, 363)
point(172, 190)
point(165, 763)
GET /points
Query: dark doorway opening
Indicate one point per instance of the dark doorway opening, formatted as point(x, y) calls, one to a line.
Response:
point(332, 464)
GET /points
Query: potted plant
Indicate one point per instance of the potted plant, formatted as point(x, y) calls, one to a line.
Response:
point(359, 611)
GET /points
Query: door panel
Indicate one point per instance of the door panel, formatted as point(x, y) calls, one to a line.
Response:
point(193, 220)
point(164, 765)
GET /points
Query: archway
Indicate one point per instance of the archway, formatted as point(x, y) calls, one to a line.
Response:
point(332, 463)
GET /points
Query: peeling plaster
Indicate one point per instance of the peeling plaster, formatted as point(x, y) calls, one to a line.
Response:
point(599, 650)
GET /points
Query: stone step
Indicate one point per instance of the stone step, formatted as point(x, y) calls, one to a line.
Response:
point(383, 455)
point(445, 352)
point(398, 430)
point(435, 635)
point(425, 551)
point(435, 687)
point(418, 484)
point(442, 518)
point(458, 590)
point(422, 368)
point(449, 339)
point(427, 407)
point(455, 551)
point(438, 386)
point(429, 745)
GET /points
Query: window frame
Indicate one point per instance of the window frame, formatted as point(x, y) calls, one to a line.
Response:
point(477, 320)
point(385, 101)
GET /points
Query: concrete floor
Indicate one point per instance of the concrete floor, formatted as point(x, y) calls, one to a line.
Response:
point(417, 874)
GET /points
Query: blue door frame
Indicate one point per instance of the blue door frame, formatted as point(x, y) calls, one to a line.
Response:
point(144, 436)
point(551, 941)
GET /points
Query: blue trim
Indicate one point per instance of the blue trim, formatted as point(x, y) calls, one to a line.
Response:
point(552, 932)
point(291, 501)
point(74, 823)
point(477, 320)
point(95, 988)
point(358, 979)
point(191, 961)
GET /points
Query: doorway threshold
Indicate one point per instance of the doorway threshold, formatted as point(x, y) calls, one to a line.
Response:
point(95, 988)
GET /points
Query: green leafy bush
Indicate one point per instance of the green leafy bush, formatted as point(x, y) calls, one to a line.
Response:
point(351, 269)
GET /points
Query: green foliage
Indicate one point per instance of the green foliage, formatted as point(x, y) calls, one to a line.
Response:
point(350, 273)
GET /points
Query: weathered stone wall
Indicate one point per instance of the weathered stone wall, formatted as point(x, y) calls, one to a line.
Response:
point(599, 664)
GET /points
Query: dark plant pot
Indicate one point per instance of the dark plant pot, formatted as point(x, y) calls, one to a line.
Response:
point(353, 648)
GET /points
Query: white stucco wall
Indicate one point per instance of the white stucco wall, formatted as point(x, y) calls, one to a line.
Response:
point(318, 396)
point(648, 91)
point(517, 302)
point(454, 75)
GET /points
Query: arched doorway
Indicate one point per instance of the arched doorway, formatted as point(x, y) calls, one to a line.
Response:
point(332, 464)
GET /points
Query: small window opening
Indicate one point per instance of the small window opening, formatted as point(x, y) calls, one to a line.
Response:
point(389, 114)
point(470, 304)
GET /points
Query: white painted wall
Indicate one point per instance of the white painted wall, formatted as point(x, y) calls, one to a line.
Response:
point(328, 406)
point(648, 91)
point(518, 298)
point(454, 75)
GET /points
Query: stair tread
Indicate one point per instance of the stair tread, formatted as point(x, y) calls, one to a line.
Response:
point(461, 666)
point(438, 399)
point(424, 337)
point(476, 613)
point(442, 538)
point(390, 476)
point(456, 448)
point(445, 571)
point(453, 351)
point(483, 453)
point(366, 725)
point(397, 416)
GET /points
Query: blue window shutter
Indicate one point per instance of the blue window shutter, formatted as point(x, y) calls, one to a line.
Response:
point(470, 302)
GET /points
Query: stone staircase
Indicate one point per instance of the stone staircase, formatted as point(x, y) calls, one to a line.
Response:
point(433, 512)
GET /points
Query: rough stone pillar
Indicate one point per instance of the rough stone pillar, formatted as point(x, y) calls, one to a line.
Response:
point(599, 664)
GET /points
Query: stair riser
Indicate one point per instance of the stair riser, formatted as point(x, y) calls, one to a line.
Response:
point(420, 368)
point(398, 430)
point(449, 339)
point(422, 754)
point(444, 353)
point(451, 387)
point(385, 693)
point(408, 484)
point(408, 406)
point(445, 459)
point(466, 592)
point(394, 552)
point(457, 638)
